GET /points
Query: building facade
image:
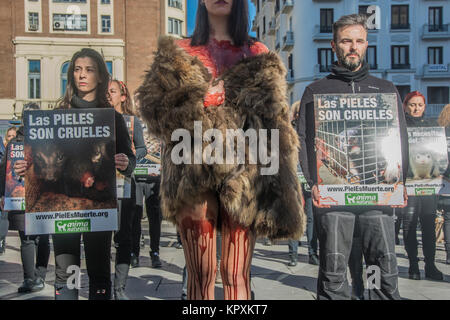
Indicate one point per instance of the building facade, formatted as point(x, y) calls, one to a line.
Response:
point(410, 46)
point(40, 36)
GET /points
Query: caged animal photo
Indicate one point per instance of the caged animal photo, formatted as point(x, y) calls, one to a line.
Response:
point(70, 176)
point(423, 163)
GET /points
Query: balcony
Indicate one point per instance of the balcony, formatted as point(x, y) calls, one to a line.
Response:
point(434, 110)
point(436, 71)
point(400, 27)
point(288, 41)
point(435, 31)
point(287, 6)
point(272, 27)
point(323, 33)
point(290, 77)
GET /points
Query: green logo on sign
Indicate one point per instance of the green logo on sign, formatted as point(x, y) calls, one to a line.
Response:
point(361, 199)
point(71, 226)
point(140, 171)
point(424, 191)
point(22, 205)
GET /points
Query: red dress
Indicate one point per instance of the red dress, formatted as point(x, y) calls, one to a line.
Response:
point(217, 57)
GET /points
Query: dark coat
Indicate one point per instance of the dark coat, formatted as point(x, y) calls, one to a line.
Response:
point(171, 97)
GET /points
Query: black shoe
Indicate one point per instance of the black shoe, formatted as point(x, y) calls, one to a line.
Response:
point(313, 259)
point(431, 272)
point(156, 263)
point(29, 285)
point(292, 261)
point(183, 296)
point(397, 241)
point(2, 246)
point(134, 263)
point(414, 272)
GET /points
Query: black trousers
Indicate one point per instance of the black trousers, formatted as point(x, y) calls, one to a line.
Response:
point(423, 208)
point(34, 246)
point(97, 247)
point(154, 215)
point(124, 237)
point(335, 231)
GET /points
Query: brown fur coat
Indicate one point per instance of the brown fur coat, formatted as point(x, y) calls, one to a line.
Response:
point(171, 97)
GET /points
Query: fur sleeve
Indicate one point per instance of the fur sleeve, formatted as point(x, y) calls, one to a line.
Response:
point(171, 95)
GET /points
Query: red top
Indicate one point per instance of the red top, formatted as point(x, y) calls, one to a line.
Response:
point(217, 57)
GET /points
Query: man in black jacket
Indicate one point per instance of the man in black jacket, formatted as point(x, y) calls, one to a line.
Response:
point(350, 74)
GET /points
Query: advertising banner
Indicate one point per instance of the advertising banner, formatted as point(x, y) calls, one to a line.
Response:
point(70, 183)
point(124, 183)
point(149, 168)
point(358, 149)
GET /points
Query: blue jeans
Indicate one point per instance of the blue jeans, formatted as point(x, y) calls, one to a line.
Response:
point(311, 233)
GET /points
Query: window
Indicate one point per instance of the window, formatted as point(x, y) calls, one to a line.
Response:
point(326, 20)
point(264, 25)
point(290, 24)
point(64, 69)
point(257, 6)
point(277, 6)
point(109, 66)
point(438, 95)
point(435, 19)
point(175, 26)
point(176, 4)
point(290, 63)
point(435, 55)
point(400, 57)
point(325, 59)
point(371, 57)
point(400, 17)
point(257, 33)
point(403, 91)
point(70, 22)
point(34, 79)
point(106, 24)
point(33, 21)
point(105, 2)
point(291, 98)
point(71, 1)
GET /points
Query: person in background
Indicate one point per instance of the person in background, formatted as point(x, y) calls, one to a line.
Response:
point(444, 199)
point(34, 249)
point(419, 207)
point(4, 223)
point(120, 99)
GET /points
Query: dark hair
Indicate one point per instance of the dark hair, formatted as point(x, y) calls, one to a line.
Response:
point(349, 20)
point(29, 106)
point(127, 105)
point(237, 24)
point(102, 88)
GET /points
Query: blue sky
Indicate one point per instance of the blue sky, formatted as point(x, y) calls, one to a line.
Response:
point(192, 9)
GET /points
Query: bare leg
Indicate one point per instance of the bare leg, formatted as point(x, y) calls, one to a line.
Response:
point(197, 227)
point(237, 251)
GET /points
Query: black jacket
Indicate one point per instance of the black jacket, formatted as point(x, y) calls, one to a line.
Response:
point(341, 81)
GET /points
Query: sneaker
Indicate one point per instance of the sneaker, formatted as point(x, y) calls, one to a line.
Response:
point(178, 245)
point(2, 246)
point(134, 263)
point(267, 242)
point(292, 261)
point(433, 273)
point(119, 294)
point(156, 262)
point(30, 285)
point(313, 259)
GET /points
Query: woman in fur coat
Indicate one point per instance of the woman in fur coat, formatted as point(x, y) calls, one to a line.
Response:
point(218, 81)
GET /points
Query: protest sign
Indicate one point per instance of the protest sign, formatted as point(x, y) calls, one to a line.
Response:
point(14, 185)
point(427, 161)
point(148, 169)
point(70, 183)
point(124, 183)
point(358, 149)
